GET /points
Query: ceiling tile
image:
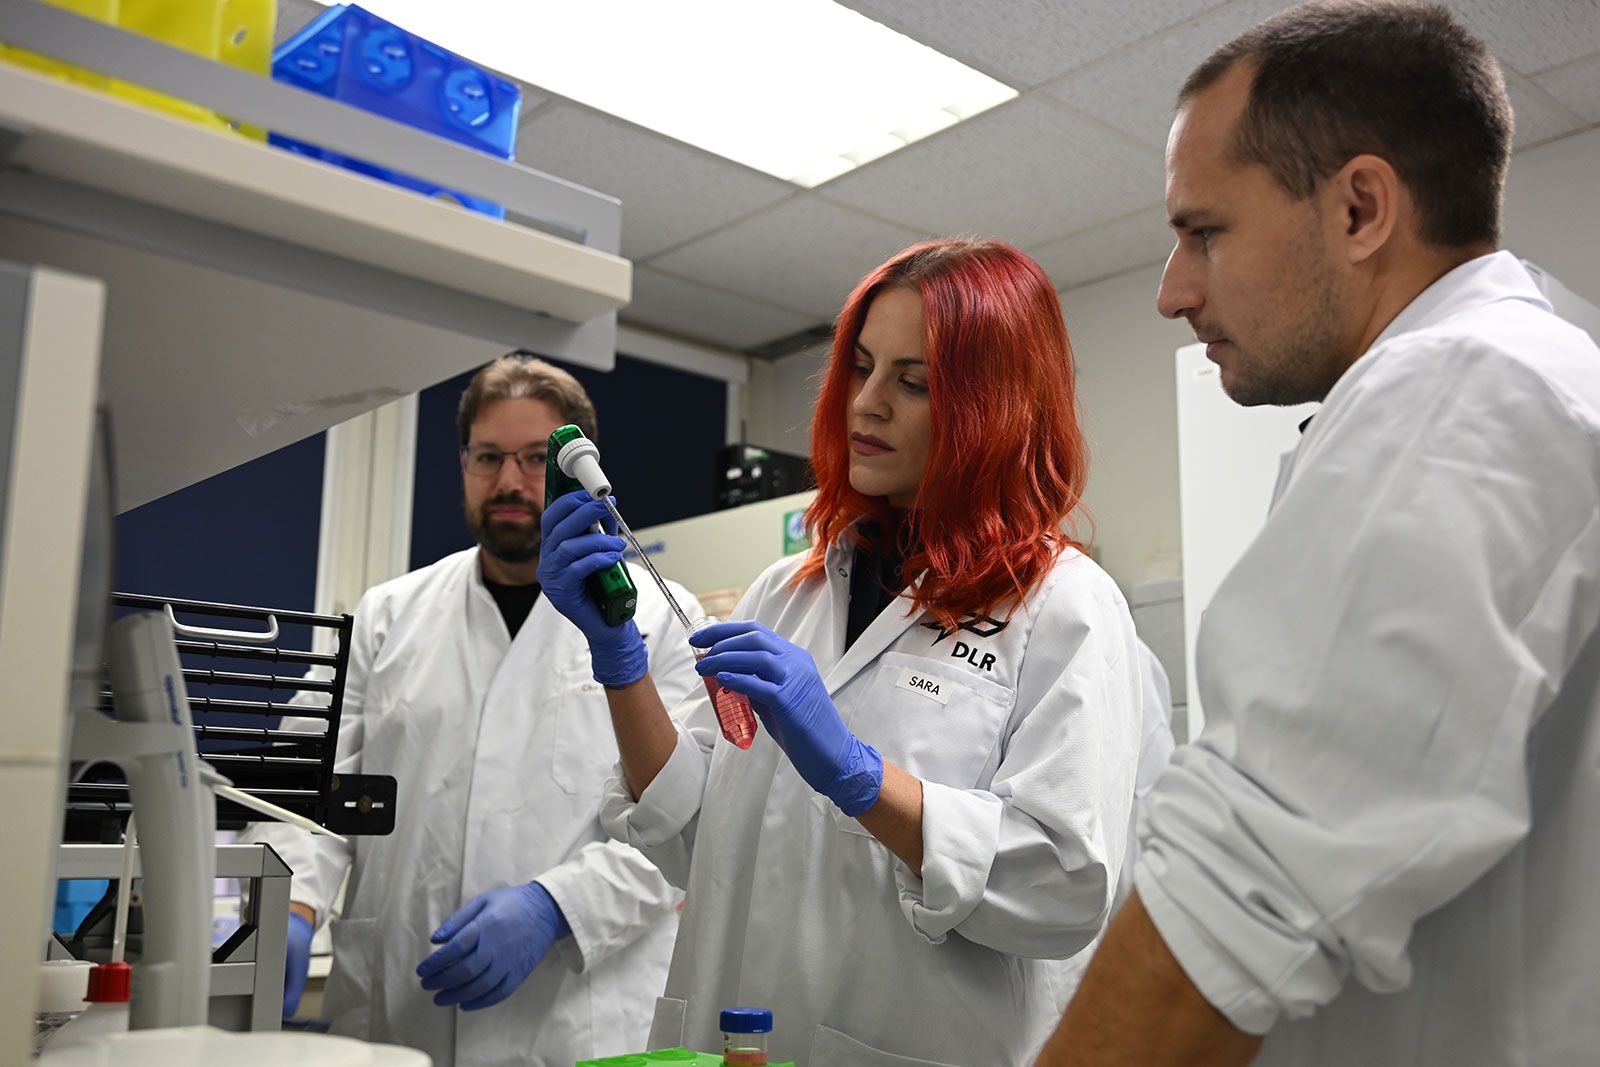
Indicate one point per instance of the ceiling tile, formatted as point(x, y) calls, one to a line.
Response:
point(1025, 43)
point(1135, 90)
point(1027, 172)
point(690, 310)
point(1531, 36)
point(805, 254)
point(670, 192)
point(1576, 85)
point(1135, 241)
point(1537, 120)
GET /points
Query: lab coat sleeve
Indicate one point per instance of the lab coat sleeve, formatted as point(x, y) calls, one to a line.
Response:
point(610, 892)
point(1029, 865)
point(318, 862)
point(662, 822)
point(1372, 670)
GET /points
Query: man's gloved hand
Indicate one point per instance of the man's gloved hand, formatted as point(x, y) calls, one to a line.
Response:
point(783, 685)
point(570, 551)
point(490, 946)
point(296, 962)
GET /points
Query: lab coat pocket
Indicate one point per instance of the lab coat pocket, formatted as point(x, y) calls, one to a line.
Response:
point(936, 720)
point(584, 750)
point(830, 1048)
point(353, 984)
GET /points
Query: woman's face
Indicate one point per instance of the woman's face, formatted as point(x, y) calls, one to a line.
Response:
point(889, 419)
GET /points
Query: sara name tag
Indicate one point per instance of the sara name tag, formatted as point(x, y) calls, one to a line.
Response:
point(931, 686)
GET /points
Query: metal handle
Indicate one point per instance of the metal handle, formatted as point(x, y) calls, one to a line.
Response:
point(205, 633)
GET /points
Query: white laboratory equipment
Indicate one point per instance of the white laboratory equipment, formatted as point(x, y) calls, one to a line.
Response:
point(1228, 459)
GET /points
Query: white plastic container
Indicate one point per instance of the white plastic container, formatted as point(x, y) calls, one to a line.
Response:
point(109, 987)
point(62, 985)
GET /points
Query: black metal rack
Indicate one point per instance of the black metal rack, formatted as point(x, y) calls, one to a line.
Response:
point(227, 675)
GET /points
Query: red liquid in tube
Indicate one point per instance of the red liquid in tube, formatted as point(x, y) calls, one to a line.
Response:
point(734, 713)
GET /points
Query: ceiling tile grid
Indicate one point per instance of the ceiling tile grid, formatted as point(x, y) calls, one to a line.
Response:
point(1028, 172)
point(1532, 36)
point(1537, 117)
point(1576, 85)
point(1026, 43)
point(664, 302)
point(1137, 240)
point(1134, 90)
point(670, 191)
point(805, 254)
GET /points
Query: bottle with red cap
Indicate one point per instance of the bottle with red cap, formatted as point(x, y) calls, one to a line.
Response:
point(109, 987)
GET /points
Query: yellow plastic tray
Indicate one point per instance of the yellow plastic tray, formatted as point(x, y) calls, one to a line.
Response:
point(236, 32)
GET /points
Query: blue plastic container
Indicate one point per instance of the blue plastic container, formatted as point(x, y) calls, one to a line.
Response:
point(356, 57)
point(75, 897)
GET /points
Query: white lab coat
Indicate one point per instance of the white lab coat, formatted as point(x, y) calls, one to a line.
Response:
point(500, 749)
point(1383, 847)
point(1155, 752)
point(1027, 753)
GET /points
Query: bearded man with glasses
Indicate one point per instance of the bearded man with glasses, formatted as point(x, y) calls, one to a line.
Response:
point(498, 923)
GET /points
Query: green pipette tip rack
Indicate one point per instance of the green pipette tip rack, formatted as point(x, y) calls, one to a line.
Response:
point(667, 1057)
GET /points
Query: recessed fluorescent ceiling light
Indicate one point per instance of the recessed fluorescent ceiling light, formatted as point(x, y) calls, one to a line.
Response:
point(801, 89)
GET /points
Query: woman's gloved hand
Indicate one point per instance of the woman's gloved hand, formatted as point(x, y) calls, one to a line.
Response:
point(783, 685)
point(296, 962)
point(491, 946)
point(569, 552)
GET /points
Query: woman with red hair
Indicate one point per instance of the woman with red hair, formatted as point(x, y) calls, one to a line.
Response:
point(949, 689)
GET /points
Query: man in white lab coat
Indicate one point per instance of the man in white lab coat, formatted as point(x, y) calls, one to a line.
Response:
point(498, 924)
point(1382, 849)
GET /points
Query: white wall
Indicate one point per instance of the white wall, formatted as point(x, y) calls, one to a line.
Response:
point(1552, 210)
point(780, 397)
point(1130, 412)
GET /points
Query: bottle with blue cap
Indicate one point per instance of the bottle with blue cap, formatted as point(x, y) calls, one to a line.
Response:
point(744, 1036)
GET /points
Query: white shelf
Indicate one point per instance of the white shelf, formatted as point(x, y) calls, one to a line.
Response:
point(255, 297)
point(103, 143)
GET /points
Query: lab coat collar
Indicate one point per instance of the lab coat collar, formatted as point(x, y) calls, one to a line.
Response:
point(882, 632)
point(1484, 280)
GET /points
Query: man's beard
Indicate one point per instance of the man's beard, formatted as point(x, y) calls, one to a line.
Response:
point(1301, 364)
point(509, 542)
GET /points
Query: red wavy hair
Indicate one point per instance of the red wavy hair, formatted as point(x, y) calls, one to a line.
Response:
point(1010, 455)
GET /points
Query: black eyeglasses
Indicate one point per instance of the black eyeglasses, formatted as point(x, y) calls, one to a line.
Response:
point(483, 462)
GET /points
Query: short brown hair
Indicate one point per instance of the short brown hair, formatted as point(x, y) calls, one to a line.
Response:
point(522, 374)
point(1405, 82)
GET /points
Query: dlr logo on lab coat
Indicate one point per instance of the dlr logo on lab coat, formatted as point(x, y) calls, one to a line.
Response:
point(971, 655)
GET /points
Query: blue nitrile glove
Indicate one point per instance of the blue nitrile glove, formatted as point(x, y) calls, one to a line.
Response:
point(569, 551)
point(490, 946)
point(783, 685)
point(296, 962)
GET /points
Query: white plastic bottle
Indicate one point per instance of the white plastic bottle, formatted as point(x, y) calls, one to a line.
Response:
point(107, 1013)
